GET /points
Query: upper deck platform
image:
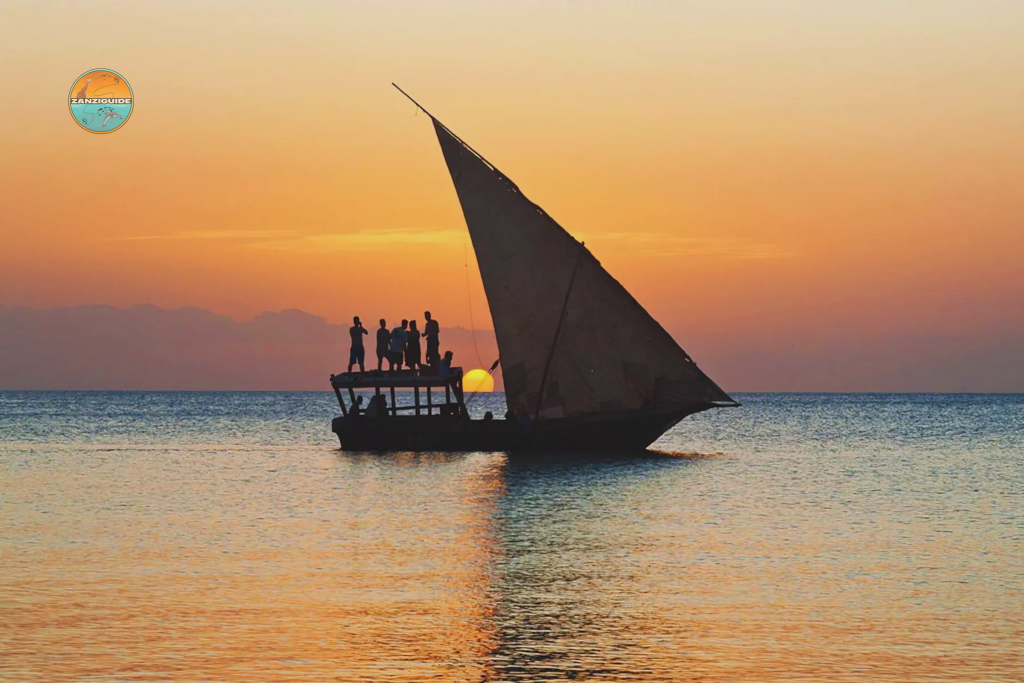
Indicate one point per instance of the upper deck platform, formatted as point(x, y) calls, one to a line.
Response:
point(398, 379)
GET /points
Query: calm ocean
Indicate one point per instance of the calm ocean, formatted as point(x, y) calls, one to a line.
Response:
point(222, 536)
point(92, 115)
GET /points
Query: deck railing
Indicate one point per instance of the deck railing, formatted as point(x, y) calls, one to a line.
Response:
point(403, 379)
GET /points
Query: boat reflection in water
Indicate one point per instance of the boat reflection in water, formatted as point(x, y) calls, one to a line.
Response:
point(536, 569)
point(570, 587)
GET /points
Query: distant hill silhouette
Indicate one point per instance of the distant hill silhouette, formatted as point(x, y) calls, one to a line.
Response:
point(147, 347)
point(150, 348)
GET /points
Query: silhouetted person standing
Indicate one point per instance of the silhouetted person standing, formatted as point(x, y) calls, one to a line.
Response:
point(383, 343)
point(432, 332)
point(412, 348)
point(399, 337)
point(357, 354)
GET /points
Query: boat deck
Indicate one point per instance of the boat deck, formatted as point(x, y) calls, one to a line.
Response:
point(382, 383)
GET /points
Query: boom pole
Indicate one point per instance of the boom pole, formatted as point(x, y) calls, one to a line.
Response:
point(422, 108)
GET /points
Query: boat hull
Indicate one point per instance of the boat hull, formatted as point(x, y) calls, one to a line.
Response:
point(407, 433)
point(615, 432)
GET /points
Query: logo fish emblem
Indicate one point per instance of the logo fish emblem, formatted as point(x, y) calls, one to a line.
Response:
point(109, 115)
point(100, 100)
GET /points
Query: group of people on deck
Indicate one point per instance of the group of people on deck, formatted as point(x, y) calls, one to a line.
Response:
point(401, 345)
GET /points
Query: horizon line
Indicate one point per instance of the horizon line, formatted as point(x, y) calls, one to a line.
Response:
point(146, 304)
point(328, 391)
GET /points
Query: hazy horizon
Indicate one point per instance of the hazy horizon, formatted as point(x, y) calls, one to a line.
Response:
point(147, 347)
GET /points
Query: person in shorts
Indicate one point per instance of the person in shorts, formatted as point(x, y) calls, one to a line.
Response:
point(399, 337)
point(357, 354)
point(383, 343)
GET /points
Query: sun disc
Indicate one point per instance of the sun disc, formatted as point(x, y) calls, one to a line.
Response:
point(477, 380)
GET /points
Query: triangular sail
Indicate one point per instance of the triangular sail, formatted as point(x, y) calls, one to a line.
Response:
point(572, 340)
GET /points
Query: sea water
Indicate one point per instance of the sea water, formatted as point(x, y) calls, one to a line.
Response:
point(91, 116)
point(223, 536)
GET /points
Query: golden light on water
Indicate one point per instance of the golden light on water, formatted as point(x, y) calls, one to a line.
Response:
point(478, 380)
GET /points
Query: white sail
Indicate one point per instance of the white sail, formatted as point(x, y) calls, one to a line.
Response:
point(572, 340)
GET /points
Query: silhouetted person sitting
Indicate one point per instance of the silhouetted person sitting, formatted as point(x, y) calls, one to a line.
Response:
point(354, 411)
point(445, 367)
point(412, 348)
point(378, 407)
point(357, 354)
point(432, 332)
point(399, 337)
point(383, 343)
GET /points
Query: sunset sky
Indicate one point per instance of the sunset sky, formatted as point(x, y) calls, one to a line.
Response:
point(104, 84)
point(759, 175)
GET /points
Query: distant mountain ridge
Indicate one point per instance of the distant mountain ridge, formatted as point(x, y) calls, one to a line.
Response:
point(146, 347)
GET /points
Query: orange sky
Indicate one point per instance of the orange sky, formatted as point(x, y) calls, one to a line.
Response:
point(104, 84)
point(755, 173)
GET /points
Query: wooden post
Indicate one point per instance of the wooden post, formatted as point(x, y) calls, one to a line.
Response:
point(457, 390)
point(429, 406)
point(416, 399)
point(341, 401)
point(394, 406)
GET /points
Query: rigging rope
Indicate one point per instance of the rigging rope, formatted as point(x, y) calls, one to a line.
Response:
point(469, 298)
point(472, 325)
point(490, 372)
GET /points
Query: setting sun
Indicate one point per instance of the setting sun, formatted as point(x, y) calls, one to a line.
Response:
point(478, 380)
